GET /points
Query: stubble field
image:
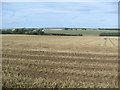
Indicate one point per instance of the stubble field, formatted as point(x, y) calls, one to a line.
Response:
point(59, 61)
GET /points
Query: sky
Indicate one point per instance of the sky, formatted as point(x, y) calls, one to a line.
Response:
point(59, 14)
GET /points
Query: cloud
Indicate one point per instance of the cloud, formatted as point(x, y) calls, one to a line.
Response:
point(36, 8)
point(62, 13)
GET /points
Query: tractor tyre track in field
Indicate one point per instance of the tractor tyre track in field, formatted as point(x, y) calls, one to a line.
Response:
point(112, 43)
point(106, 40)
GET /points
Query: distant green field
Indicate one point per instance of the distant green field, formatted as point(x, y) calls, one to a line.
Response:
point(83, 32)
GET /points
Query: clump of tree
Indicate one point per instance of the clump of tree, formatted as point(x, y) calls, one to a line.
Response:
point(66, 28)
point(23, 31)
point(19, 31)
point(6, 32)
point(35, 33)
point(84, 29)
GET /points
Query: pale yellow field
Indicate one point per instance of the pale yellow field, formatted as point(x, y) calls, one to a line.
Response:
point(60, 61)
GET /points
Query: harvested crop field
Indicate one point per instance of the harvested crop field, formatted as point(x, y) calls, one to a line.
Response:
point(59, 61)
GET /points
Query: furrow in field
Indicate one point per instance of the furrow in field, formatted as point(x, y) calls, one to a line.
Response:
point(20, 52)
point(58, 64)
point(97, 76)
point(64, 57)
point(56, 58)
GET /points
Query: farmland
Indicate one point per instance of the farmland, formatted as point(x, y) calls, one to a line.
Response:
point(34, 61)
point(83, 32)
